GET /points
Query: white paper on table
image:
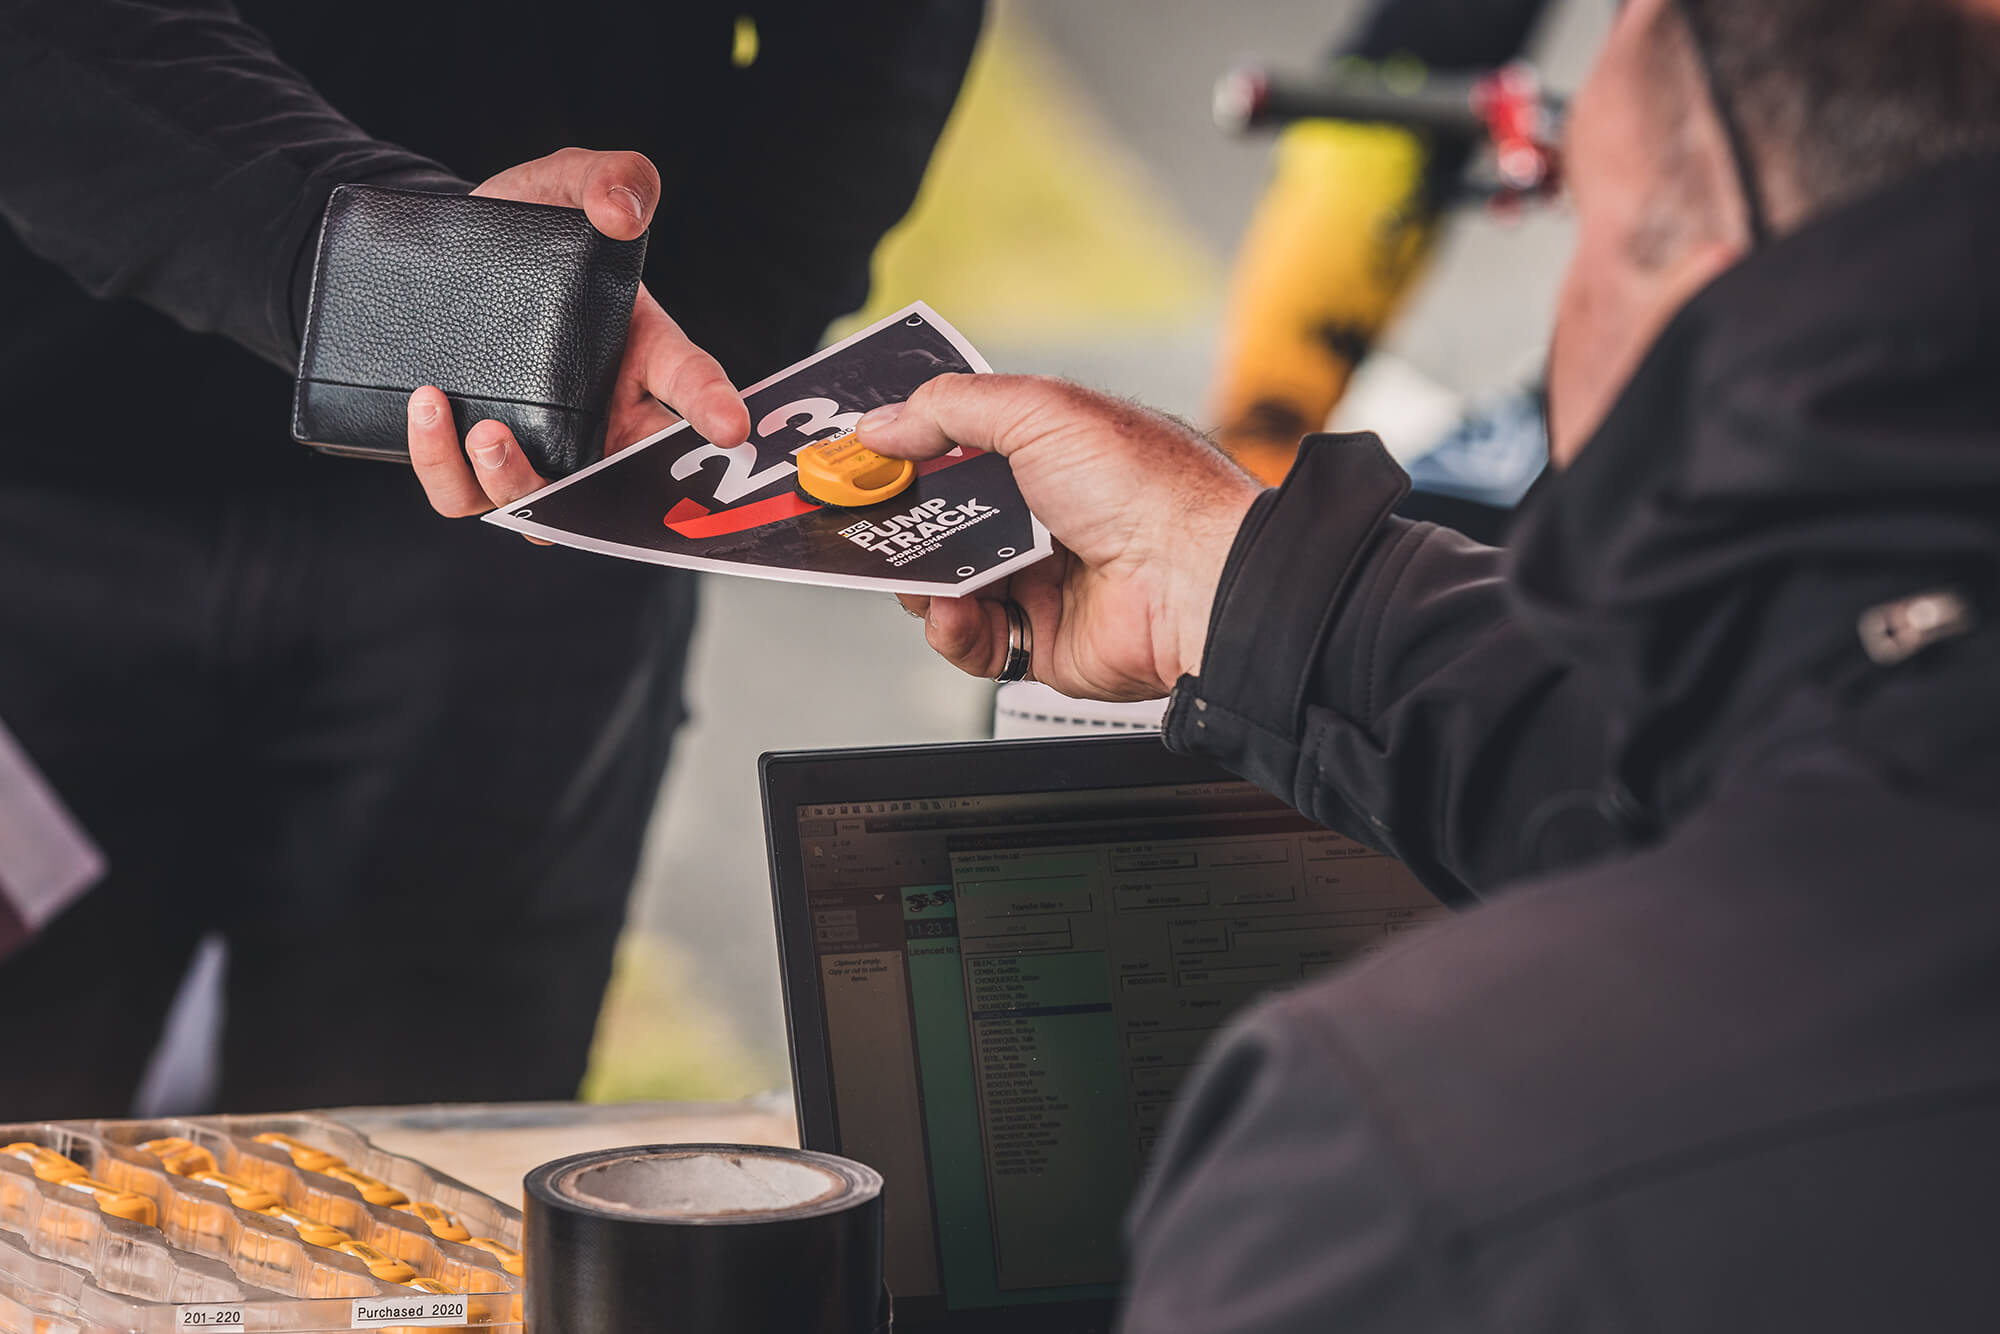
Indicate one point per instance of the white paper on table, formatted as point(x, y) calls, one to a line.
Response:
point(676, 499)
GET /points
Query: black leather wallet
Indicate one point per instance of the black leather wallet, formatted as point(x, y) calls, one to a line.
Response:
point(517, 311)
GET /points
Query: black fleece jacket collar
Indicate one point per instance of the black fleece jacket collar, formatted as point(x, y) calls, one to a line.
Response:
point(1816, 432)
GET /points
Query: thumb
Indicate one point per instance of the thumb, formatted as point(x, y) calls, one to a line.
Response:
point(617, 191)
point(996, 413)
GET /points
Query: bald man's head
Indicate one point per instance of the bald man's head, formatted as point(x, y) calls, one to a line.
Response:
point(1838, 98)
point(1707, 125)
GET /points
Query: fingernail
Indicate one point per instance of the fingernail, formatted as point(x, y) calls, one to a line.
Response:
point(491, 454)
point(881, 418)
point(629, 202)
point(423, 411)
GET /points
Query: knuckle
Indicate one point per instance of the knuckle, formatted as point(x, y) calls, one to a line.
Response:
point(1069, 397)
point(1043, 404)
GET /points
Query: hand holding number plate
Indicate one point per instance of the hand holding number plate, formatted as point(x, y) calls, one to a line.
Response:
point(677, 499)
point(814, 417)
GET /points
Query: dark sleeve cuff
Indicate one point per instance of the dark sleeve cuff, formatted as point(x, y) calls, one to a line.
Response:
point(1282, 592)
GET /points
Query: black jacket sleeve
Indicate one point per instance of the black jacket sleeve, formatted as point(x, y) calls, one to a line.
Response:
point(1365, 667)
point(1278, 1203)
point(161, 151)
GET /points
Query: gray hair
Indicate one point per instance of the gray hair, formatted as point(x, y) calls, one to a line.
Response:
point(1838, 98)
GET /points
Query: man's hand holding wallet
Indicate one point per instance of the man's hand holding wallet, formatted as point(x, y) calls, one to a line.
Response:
point(525, 327)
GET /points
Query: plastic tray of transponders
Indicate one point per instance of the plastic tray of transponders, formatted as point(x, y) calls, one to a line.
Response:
point(210, 1228)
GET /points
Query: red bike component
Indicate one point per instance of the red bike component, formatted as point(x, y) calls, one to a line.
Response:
point(1519, 123)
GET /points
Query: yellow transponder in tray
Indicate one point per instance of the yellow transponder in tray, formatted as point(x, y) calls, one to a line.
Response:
point(117, 1203)
point(311, 1230)
point(509, 1258)
point(54, 1167)
point(371, 1190)
point(180, 1156)
point(383, 1266)
point(242, 1194)
point(441, 1223)
point(45, 1162)
point(303, 1155)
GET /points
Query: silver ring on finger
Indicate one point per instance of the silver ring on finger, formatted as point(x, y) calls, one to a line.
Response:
point(1020, 644)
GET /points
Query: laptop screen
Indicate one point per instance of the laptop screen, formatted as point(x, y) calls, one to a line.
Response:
point(1013, 985)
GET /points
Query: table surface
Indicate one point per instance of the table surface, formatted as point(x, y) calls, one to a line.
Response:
point(491, 1146)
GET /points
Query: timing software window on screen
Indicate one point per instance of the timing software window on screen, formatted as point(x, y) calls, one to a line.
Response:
point(1040, 990)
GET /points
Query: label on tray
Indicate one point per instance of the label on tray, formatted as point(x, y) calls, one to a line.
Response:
point(419, 1308)
point(209, 1315)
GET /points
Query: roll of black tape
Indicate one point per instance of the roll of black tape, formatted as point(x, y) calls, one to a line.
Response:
point(704, 1239)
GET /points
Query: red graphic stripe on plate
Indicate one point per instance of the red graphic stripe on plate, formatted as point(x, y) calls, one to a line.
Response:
point(944, 461)
point(744, 516)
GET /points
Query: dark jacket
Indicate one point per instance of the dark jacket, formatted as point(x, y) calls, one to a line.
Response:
point(177, 154)
point(1723, 1051)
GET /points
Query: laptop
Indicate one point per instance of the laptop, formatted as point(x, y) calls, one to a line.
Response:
point(1002, 959)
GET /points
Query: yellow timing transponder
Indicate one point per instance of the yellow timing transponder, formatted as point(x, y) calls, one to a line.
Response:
point(303, 1154)
point(117, 1203)
point(307, 1158)
point(54, 1167)
point(310, 1229)
point(844, 472)
point(432, 1285)
point(182, 1157)
point(371, 1190)
point(510, 1259)
point(442, 1225)
point(382, 1265)
point(241, 1193)
point(46, 1163)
